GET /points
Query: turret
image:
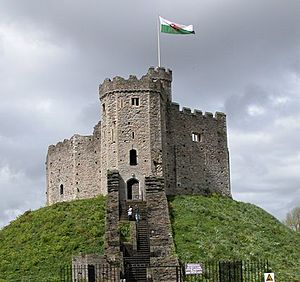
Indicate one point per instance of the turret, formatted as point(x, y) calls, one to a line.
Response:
point(156, 80)
point(133, 127)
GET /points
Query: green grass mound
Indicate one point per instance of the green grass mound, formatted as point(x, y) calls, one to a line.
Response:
point(218, 228)
point(35, 245)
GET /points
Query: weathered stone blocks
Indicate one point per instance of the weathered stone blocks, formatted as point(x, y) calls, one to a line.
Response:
point(188, 149)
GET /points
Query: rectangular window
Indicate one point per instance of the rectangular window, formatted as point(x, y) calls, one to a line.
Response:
point(121, 103)
point(135, 101)
point(196, 137)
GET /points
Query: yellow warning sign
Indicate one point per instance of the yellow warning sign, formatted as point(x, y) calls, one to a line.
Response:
point(269, 277)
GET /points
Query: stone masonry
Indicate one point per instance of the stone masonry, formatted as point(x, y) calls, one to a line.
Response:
point(142, 133)
point(144, 149)
point(161, 241)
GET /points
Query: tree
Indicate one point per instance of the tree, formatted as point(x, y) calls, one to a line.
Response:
point(293, 219)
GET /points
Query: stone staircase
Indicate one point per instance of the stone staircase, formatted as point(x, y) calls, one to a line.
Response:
point(135, 264)
point(139, 203)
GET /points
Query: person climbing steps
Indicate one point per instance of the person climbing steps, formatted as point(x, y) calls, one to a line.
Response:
point(137, 214)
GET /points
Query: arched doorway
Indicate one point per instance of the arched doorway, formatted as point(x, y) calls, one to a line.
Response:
point(133, 189)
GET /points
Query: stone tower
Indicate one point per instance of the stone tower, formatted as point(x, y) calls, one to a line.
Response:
point(142, 134)
point(133, 128)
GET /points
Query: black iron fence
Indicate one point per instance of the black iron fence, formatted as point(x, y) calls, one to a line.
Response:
point(229, 271)
point(90, 273)
point(209, 271)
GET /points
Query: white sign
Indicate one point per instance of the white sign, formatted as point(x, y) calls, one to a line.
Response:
point(269, 277)
point(193, 268)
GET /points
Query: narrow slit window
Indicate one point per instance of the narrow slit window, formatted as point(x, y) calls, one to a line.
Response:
point(135, 101)
point(132, 135)
point(103, 108)
point(61, 189)
point(132, 157)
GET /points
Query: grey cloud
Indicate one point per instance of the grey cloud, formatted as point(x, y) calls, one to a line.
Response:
point(244, 54)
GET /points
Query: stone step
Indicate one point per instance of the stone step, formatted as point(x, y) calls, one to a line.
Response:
point(136, 265)
point(141, 205)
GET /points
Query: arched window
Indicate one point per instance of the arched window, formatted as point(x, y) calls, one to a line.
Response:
point(61, 189)
point(132, 157)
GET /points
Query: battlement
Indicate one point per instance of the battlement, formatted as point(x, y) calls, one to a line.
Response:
point(142, 133)
point(68, 143)
point(219, 116)
point(149, 82)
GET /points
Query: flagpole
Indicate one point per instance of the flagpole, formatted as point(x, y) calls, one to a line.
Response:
point(158, 42)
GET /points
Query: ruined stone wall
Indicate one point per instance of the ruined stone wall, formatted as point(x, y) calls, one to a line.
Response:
point(82, 264)
point(197, 154)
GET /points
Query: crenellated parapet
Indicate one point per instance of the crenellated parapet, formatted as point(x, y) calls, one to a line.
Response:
point(142, 133)
point(70, 165)
point(153, 81)
point(218, 116)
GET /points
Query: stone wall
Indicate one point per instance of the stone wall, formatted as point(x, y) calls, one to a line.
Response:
point(60, 172)
point(112, 237)
point(162, 249)
point(132, 120)
point(188, 149)
point(84, 263)
point(197, 153)
point(73, 168)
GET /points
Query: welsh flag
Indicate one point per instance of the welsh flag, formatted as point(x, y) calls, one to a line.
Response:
point(174, 28)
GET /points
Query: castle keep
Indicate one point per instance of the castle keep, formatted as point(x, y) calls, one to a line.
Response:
point(142, 133)
point(144, 149)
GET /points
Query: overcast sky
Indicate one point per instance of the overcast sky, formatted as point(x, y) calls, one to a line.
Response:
point(243, 60)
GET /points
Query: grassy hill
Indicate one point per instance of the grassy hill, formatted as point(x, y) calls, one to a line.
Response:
point(205, 228)
point(33, 247)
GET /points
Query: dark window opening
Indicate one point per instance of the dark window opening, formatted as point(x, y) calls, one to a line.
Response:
point(132, 157)
point(91, 273)
point(61, 189)
point(132, 135)
point(103, 108)
point(135, 101)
